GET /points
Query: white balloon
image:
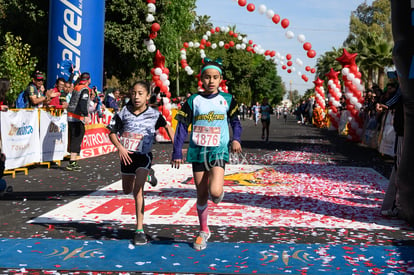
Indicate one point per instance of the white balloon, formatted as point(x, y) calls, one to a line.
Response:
point(293, 69)
point(270, 14)
point(221, 44)
point(187, 68)
point(238, 46)
point(353, 100)
point(299, 74)
point(262, 9)
point(245, 40)
point(299, 61)
point(330, 82)
point(213, 46)
point(166, 82)
point(163, 77)
point(202, 52)
point(351, 76)
point(205, 37)
point(190, 72)
point(196, 45)
point(183, 51)
point(345, 71)
point(208, 33)
point(289, 35)
point(301, 38)
point(203, 56)
point(151, 48)
point(240, 37)
point(151, 8)
point(150, 18)
point(358, 106)
point(158, 71)
point(190, 44)
point(243, 46)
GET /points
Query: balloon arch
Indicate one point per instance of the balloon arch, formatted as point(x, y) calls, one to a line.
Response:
point(160, 74)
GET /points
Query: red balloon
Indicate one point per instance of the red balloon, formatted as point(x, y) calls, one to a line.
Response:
point(153, 71)
point(276, 18)
point(289, 63)
point(158, 83)
point(151, 1)
point(307, 68)
point(208, 44)
point(307, 46)
point(288, 56)
point(289, 71)
point(155, 27)
point(203, 41)
point(311, 53)
point(285, 23)
point(217, 29)
point(334, 109)
point(249, 49)
point(166, 70)
point(250, 42)
point(153, 35)
point(250, 7)
point(284, 67)
point(231, 43)
point(236, 35)
point(304, 77)
point(186, 45)
point(202, 46)
point(231, 33)
point(226, 46)
point(212, 31)
point(272, 53)
point(242, 3)
point(313, 70)
point(267, 52)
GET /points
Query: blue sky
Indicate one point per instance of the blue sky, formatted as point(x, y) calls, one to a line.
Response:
point(324, 23)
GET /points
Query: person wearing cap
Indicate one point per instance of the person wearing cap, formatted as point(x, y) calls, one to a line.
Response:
point(78, 116)
point(58, 94)
point(35, 91)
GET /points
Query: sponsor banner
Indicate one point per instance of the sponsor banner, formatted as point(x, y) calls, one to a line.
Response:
point(20, 137)
point(76, 33)
point(53, 136)
point(286, 195)
point(96, 141)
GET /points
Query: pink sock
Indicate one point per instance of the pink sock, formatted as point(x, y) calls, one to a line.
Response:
point(202, 211)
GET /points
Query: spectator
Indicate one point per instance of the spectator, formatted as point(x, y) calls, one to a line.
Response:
point(78, 116)
point(112, 100)
point(58, 95)
point(4, 87)
point(35, 91)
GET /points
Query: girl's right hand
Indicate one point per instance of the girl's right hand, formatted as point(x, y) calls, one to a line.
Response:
point(124, 155)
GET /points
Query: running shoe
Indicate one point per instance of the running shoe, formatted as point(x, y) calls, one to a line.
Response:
point(216, 200)
point(140, 238)
point(74, 166)
point(151, 178)
point(200, 242)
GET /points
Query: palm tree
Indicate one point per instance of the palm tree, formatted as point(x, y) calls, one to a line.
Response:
point(375, 54)
point(327, 61)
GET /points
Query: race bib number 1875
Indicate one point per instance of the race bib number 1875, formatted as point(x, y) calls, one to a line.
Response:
point(206, 136)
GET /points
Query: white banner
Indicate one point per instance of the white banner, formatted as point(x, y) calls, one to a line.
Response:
point(53, 136)
point(20, 137)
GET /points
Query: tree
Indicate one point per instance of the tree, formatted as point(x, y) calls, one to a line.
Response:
point(17, 65)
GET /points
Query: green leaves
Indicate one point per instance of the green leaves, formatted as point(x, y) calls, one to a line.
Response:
point(16, 64)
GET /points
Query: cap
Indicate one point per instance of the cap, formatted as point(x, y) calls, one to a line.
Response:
point(39, 76)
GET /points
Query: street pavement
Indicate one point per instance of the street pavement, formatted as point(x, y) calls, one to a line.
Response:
point(296, 191)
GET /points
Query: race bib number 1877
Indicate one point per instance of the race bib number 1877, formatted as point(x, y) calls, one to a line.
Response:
point(206, 136)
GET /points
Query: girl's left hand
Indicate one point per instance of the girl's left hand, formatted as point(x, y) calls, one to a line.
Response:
point(236, 147)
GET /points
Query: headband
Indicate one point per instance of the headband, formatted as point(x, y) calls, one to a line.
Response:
point(211, 66)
